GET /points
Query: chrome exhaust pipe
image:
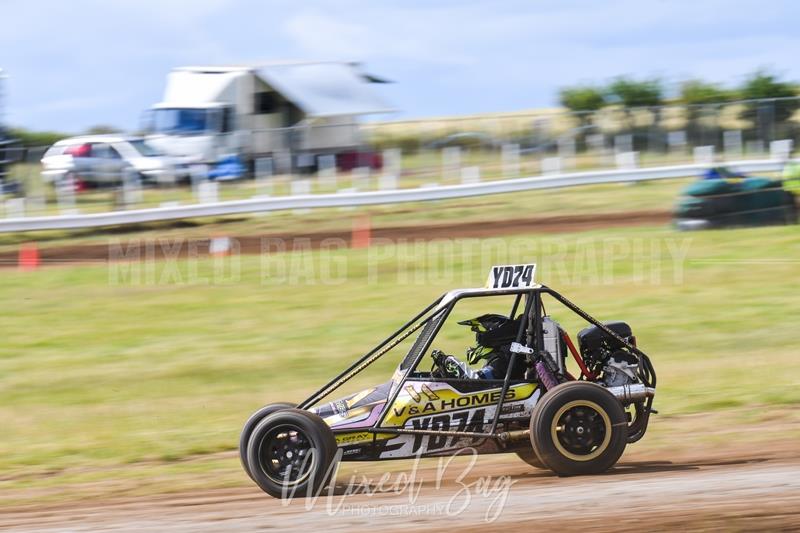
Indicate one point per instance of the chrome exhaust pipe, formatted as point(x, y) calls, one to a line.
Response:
point(632, 392)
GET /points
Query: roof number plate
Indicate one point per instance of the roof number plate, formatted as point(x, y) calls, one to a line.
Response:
point(511, 276)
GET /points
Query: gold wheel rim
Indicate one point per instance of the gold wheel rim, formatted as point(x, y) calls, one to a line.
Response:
point(597, 451)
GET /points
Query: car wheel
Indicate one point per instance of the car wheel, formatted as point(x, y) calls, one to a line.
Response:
point(530, 457)
point(292, 453)
point(251, 424)
point(579, 428)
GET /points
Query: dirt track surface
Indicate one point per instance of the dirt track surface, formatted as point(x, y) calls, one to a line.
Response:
point(175, 247)
point(747, 493)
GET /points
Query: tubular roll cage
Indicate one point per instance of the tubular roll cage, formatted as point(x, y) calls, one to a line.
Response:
point(529, 335)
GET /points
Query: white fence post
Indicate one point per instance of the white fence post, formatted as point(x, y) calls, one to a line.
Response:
point(451, 162)
point(361, 178)
point(300, 187)
point(732, 143)
point(781, 150)
point(327, 171)
point(393, 161)
point(704, 155)
point(207, 192)
point(15, 207)
point(470, 175)
point(65, 194)
point(264, 168)
point(566, 151)
point(131, 187)
point(197, 174)
point(551, 165)
point(627, 160)
point(387, 182)
point(510, 159)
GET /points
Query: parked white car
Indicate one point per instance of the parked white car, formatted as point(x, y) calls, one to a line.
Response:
point(98, 160)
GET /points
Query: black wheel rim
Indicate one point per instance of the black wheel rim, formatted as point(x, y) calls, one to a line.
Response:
point(286, 454)
point(581, 430)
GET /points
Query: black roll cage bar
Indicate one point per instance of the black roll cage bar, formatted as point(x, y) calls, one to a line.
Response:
point(529, 335)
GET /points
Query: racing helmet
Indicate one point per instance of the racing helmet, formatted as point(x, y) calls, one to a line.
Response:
point(492, 331)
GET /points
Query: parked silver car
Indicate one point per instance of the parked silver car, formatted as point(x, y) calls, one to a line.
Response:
point(97, 160)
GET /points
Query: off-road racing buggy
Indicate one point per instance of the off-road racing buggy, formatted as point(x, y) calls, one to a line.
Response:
point(536, 408)
point(723, 199)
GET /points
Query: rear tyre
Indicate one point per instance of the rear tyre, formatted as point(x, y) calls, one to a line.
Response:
point(291, 453)
point(251, 424)
point(530, 457)
point(579, 428)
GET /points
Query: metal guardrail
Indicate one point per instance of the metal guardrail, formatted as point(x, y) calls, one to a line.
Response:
point(354, 199)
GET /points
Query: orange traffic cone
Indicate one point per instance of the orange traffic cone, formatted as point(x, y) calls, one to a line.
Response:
point(28, 256)
point(362, 230)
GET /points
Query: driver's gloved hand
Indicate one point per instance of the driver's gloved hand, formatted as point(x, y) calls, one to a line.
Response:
point(452, 367)
point(438, 357)
point(458, 369)
point(438, 370)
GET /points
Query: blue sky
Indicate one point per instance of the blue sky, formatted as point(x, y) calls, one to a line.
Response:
point(74, 64)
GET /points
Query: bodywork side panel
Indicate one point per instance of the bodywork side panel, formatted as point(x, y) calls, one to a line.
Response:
point(447, 405)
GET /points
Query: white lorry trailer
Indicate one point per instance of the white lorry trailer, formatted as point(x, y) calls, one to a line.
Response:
point(291, 112)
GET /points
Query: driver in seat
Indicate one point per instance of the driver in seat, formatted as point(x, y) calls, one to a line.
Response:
point(493, 335)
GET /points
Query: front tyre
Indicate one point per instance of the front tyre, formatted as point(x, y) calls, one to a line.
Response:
point(579, 428)
point(291, 453)
point(251, 424)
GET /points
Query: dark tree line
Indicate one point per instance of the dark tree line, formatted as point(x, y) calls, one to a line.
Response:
point(767, 103)
point(631, 92)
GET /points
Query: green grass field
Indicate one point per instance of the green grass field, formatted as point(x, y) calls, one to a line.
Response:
point(159, 365)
